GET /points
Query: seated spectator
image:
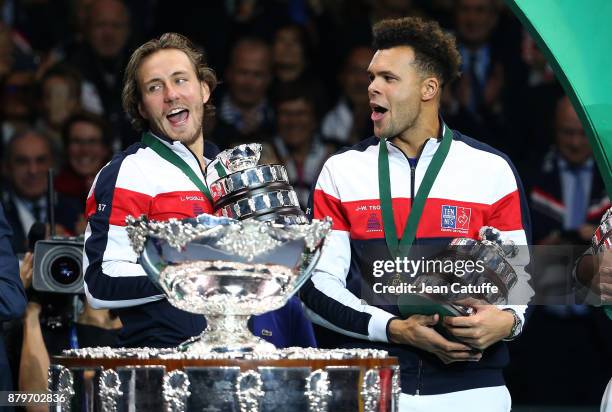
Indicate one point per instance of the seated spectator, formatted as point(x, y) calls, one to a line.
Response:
point(101, 59)
point(568, 196)
point(348, 121)
point(60, 97)
point(27, 160)
point(298, 144)
point(477, 104)
point(244, 114)
point(291, 64)
point(86, 139)
point(16, 105)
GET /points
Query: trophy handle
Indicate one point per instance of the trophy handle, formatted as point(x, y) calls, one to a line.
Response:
point(151, 262)
point(306, 273)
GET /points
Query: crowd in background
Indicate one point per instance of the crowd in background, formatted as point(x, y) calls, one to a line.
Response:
point(294, 78)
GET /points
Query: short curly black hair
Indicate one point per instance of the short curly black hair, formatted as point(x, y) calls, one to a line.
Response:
point(435, 51)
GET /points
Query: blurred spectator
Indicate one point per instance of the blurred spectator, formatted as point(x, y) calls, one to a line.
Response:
point(568, 196)
point(477, 107)
point(101, 60)
point(298, 144)
point(291, 63)
point(531, 110)
point(87, 144)
point(349, 121)
point(244, 114)
point(15, 52)
point(60, 89)
point(16, 105)
point(394, 9)
point(26, 163)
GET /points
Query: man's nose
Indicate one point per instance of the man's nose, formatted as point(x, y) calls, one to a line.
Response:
point(171, 94)
point(35, 167)
point(373, 88)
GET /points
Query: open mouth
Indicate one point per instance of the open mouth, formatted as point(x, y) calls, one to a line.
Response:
point(378, 112)
point(177, 116)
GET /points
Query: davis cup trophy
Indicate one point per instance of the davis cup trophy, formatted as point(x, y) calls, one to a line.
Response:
point(228, 269)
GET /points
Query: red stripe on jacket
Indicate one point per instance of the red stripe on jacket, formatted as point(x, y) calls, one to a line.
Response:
point(440, 218)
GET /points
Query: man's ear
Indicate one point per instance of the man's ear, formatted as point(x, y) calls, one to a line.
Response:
point(430, 88)
point(205, 92)
point(142, 111)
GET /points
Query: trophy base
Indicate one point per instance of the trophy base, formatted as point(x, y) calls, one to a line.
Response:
point(225, 334)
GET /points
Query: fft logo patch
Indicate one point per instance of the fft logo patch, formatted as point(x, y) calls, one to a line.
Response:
point(455, 218)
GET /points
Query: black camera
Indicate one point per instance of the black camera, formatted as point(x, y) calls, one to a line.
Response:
point(58, 265)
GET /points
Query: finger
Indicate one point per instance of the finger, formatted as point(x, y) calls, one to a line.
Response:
point(464, 355)
point(443, 344)
point(426, 320)
point(606, 288)
point(28, 260)
point(605, 277)
point(605, 270)
point(606, 298)
point(459, 321)
point(471, 302)
point(464, 332)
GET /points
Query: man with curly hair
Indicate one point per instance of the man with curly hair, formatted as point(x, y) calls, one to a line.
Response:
point(415, 161)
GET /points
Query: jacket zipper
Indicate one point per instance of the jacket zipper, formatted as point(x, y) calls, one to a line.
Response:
point(412, 195)
point(419, 374)
point(198, 163)
point(412, 177)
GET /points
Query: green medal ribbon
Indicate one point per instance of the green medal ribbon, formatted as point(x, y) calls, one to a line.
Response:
point(166, 153)
point(402, 248)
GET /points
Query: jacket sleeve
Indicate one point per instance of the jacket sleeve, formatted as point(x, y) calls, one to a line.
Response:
point(113, 278)
point(12, 295)
point(329, 303)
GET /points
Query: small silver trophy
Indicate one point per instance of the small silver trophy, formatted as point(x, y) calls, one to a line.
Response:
point(242, 189)
point(248, 260)
point(489, 280)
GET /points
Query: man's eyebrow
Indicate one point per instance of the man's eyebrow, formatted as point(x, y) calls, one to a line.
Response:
point(174, 74)
point(382, 73)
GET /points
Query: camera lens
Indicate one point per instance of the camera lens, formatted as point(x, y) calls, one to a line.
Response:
point(65, 270)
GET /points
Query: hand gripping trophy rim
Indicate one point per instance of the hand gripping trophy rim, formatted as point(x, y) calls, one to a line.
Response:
point(227, 270)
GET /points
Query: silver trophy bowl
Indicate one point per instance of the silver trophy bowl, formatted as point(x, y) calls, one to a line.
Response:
point(227, 270)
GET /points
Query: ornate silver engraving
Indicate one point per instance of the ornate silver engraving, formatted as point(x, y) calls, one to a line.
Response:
point(317, 391)
point(215, 267)
point(176, 391)
point(370, 390)
point(396, 388)
point(278, 354)
point(249, 178)
point(249, 391)
point(249, 206)
point(65, 389)
point(240, 157)
point(110, 390)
